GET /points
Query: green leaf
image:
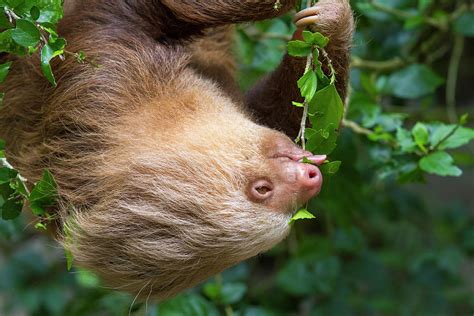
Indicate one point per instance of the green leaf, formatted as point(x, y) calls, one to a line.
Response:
point(326, 109)
point(413, 82)
point(4, 69)
point(463, 119)
point(302, 214)
point(11, 209)
point(299, 48)
point(421, 135)
point(308, 85)
point(44, 194)
point(308, 37)
point(227, 293)
point(69, 259)
point(439, 163)
point(26, 33)
point(87, 279)
point(48, 53)
point(7, 174)
point(41, 226)
point(464, 25)
point(461, 137)
point(320, 40)
point(405, 140)
point(35, 13)
point(323, 141)
point(4, 22)
point(331, 168)
point(8, 45)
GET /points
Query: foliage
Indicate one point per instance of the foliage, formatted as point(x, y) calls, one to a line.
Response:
point(377, 247)
point(28, 27)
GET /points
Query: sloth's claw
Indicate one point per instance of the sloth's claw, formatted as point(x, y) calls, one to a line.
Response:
point(308, 12)
point(307, 21)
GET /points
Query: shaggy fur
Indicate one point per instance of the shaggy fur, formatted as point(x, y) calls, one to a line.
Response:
point(152, 151)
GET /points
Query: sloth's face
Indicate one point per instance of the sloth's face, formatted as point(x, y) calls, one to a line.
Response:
point(286, 182)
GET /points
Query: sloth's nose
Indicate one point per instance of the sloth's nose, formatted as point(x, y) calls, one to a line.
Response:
point(309, 182)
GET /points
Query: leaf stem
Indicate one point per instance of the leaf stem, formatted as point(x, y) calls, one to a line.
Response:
point(304, 119)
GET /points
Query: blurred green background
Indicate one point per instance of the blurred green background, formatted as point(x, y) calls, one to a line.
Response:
point(378, 245)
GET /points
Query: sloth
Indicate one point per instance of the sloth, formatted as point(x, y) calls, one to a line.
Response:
point(167, 173)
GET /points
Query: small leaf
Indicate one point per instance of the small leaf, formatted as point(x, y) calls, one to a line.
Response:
point(320, 40)
point(461, 136)
point(43, 194)
point(4, 68)
point(440, 163)
point(308, 85)
point(405, 140)
point(48, 53)
point(421, 135)
point(11, 209)
point(7, 174)
point(87, 279)
point(299, 48)
point(26, 33)
point(35, 13)
point(40, 226)
point(302, 214)
point(331, 168)
point(298, 104)
point(326, 108)
point(323, 142)
point(308, 37)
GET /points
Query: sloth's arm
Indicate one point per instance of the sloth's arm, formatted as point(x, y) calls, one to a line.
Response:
point(270, 100)
point(218, 12)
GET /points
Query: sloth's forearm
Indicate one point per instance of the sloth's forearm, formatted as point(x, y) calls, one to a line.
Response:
point(271, 99)
point(218, 12)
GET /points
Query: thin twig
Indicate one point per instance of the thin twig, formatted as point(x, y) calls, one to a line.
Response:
point(382, 66)
point(356, 127)
point(304, 119)
point(451, 83)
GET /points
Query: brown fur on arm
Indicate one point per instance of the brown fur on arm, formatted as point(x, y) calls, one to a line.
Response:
point(218, 12)
point(271, 98)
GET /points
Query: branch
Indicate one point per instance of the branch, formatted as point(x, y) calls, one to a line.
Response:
point(386, 65)
point(451, 83)
point(405, 15)
point(356, 127)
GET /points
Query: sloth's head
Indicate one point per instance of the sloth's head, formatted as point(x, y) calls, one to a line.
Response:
point(178, 211)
